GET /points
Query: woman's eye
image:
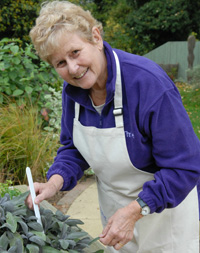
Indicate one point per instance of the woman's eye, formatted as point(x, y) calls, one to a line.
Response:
point(75, 52)
point(61, 64)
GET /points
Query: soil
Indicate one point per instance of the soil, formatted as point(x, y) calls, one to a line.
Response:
point(56, 198)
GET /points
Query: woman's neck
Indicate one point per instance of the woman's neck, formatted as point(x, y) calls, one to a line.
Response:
point(98, 96)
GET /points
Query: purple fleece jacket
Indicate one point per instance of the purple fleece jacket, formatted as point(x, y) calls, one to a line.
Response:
point(159, 135)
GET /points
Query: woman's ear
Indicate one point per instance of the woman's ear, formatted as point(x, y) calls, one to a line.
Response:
point(97, 39)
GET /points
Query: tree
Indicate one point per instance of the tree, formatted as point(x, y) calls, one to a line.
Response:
point(162, 21)
point(139, 26)
point(137, 3)
point(116, 30)
point(17, 18)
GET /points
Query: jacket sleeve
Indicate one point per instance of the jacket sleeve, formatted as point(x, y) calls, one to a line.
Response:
point(176, 150)
point(68, 163)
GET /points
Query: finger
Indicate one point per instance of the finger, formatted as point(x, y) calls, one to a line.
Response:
point(124, 239)
point(105, 230)
point(113, 242)
point(39, 199)
point(119, 245)
point(107, 239)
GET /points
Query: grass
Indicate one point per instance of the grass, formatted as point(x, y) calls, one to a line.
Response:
point(23, 143)
point(191, 101)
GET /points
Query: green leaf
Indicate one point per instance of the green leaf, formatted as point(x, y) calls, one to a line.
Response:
point(14, 49)
point(19, 200)
point(45, 87)
point(12, 75)
point(60, 216)
point(30, 54)
point(19, 245)
point(48, 249)
point(73, 251)
point(85, 240)
point(28, 89)
point(18, 92)
point(72, 243)
point(37, 240)
point(24, 226)
point(64, 244)
point(49, 129)
point(1, 98)
point(40, 234)
point(94, 240)
point(8, 206)
point(8, 91)
point(13, 249)
point(16, 240)
point(16, 60)
point(33, 248)
point(36, 226)
point(76, 235)
point(11, 222)
point(4, 241)
point(20, 211)
point(74, 222)
point(99, 251)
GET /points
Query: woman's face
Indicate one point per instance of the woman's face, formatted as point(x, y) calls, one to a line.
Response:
point(81, 63)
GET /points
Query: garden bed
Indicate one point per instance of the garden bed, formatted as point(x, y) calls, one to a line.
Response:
point(45, 204)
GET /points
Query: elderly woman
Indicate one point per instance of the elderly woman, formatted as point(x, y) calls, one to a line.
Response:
point(123, 117)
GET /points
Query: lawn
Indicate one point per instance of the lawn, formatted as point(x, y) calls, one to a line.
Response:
point(191, 102)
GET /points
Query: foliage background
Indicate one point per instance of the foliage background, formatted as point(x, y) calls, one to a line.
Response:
point(17, 17)
point(136, 26)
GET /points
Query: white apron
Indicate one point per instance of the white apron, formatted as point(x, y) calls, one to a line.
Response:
point(119, 182)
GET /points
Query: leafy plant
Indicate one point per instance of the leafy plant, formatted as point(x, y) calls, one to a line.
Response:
point(23, 75)
point(20, 231)
point(54, 105)
point(8, 188)
point(161, 20)
point(23, 143)
point(194, 76)
point(17, 18)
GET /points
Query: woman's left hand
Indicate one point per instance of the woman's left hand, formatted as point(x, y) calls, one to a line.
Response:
point(119, 229)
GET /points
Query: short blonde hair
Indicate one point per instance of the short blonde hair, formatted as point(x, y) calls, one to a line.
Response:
point(57, 18)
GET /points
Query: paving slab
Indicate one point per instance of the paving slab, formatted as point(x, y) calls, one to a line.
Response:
point(86, 208)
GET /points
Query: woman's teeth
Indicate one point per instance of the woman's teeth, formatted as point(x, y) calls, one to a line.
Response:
point(81, 75)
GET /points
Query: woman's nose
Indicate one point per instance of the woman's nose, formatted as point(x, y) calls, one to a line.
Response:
point(72, 67)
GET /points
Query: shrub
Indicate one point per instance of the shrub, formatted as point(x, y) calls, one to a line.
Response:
point(23, 143)
point(20, 231)
point(193, 76)
point(17, 18)
point(23, 75)
point(171, 70)
point(8, 188)
point(54, 106)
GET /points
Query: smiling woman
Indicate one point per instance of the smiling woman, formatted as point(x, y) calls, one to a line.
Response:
point(70, 39)
point(80, 63)
point(123, 117)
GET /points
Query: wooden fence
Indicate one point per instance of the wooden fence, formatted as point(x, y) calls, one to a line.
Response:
point(175, 53)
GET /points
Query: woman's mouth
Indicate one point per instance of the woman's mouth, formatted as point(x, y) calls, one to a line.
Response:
point(82, 74)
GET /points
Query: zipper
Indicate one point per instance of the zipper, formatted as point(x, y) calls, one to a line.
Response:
point(101, 121)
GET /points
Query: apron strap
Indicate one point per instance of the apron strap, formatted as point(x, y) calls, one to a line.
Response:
point(118, 108)
point(77, 110)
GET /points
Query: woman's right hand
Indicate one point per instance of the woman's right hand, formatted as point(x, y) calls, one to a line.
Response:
point(45, 190)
